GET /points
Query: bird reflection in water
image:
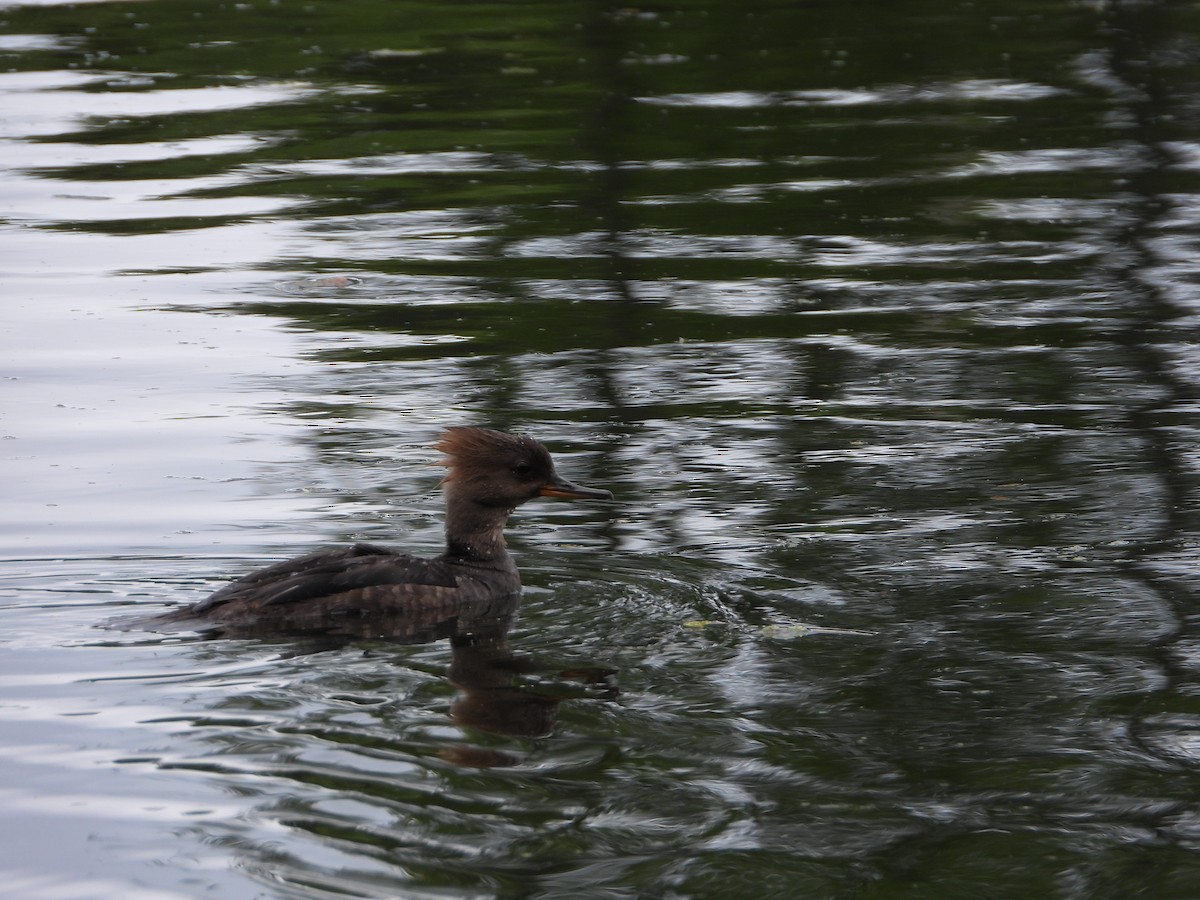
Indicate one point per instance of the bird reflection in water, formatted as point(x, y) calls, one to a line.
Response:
point(507, 695)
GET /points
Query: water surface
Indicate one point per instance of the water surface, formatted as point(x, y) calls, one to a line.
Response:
point(877, 318)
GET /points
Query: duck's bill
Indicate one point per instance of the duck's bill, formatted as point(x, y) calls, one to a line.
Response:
point(568, 490)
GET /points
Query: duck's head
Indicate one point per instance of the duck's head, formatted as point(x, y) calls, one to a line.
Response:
point(501, 470)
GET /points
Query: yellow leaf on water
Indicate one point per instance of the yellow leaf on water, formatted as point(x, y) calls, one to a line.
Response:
point(786, 631)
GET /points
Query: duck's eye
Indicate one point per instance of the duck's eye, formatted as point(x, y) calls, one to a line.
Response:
point(522, 469)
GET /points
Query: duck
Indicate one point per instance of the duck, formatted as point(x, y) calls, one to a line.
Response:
point(368, 590)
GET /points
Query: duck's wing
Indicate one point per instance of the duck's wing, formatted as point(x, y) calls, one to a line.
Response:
point(326, 573)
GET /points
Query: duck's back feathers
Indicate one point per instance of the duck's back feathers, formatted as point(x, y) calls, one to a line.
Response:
point(327, 573)
point(360, 591)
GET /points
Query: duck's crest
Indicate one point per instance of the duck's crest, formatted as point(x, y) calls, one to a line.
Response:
point(468, 447)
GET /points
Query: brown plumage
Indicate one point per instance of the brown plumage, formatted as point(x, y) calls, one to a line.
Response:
point(370, 591)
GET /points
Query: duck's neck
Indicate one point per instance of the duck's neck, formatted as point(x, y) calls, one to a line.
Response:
point(474, 533)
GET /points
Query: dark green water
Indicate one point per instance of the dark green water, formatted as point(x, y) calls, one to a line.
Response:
point(880, 320)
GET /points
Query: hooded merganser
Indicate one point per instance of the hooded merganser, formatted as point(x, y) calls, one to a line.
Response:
point(366, 590)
